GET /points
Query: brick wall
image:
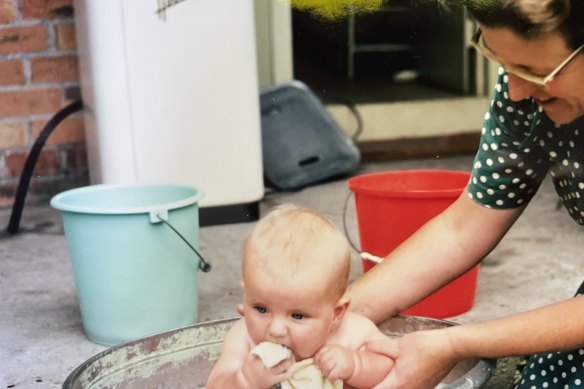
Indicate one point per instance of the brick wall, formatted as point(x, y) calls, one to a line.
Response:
point(39, 76)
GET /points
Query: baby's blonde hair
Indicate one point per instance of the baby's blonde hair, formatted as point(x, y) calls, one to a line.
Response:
point(292, 239)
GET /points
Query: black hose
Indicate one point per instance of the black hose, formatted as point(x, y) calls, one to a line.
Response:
point(31, 161)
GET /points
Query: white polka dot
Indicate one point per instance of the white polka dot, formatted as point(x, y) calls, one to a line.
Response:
point(496, 176)
point(494, 146)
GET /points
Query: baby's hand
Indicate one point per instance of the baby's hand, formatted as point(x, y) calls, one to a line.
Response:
point(335, 362)
point(258, 375)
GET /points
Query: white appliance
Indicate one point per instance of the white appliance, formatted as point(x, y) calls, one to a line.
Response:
point(171, 96)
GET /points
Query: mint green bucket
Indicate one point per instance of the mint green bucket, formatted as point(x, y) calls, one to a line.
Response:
point(134, 260)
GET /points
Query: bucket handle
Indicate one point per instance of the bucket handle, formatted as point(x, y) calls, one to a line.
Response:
point(363, 254)
point(162, 216)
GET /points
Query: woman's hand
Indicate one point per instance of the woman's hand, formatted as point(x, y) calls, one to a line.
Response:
point(422, 359)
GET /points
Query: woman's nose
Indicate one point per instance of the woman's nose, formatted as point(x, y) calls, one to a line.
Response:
point(520, 89)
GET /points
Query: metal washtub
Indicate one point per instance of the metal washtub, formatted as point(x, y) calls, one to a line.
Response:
point(183, 358)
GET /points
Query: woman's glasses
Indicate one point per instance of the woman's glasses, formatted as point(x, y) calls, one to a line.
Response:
point(479, 44)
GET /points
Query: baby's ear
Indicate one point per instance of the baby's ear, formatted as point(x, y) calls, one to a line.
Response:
point(341, 308)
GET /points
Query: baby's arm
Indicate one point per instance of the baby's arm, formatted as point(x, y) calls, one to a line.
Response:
point(237, 369)
point(355, 366)
point(360, 369)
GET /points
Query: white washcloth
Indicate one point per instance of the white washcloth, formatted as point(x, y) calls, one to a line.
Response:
point(305, 375)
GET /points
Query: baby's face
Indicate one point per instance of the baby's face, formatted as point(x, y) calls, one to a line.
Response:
point(294, 311)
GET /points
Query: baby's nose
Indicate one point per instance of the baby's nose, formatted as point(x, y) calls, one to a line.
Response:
point(277, 328)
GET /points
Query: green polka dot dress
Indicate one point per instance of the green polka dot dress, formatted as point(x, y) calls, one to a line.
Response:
point(519, 146)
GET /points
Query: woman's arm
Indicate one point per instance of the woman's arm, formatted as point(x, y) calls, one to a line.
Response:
point(554, 327)
point(446, 247)
point(423, 358)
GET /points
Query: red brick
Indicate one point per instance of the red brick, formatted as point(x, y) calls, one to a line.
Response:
point(11, 73)
point(7, 11)
point(47, 9)
point(71, 130)
point(77, 160)
point(54, 69)
point(47, 164)
point(23, 39)
point(12, 135)
point(66, 37)
point(22, 103)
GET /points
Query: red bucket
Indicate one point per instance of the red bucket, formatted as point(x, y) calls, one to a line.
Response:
point(391, 206)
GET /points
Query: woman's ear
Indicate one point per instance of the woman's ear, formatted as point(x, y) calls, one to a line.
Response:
point(341, 308)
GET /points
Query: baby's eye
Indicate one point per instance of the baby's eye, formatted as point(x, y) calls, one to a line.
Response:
point(261, 309)
point(298, 316)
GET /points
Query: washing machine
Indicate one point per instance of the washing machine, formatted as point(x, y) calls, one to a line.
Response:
point(171, 96)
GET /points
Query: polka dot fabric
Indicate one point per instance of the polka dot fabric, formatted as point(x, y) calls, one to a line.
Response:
point(554, 370)
point(519, 146)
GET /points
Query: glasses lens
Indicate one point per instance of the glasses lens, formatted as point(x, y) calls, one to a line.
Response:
point(479, 44)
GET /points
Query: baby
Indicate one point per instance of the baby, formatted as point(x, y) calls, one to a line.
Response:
point(295, 269)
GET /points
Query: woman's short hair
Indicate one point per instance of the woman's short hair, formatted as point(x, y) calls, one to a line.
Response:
point(531, 18)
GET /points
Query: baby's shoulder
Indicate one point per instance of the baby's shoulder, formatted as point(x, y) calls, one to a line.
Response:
point(238, 336)
point(355, 330)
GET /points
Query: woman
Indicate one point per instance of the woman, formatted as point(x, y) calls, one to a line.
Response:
point(534, 126)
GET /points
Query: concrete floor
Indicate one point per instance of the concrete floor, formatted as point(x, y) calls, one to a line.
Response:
point(41, 336)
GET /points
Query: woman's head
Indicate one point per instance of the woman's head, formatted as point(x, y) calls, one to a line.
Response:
point(540, 44)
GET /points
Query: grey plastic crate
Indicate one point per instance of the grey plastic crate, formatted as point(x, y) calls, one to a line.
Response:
point(302, 143)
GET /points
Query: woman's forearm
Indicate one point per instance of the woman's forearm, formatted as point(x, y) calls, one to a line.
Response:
point(555, 327)
point(440, 251)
